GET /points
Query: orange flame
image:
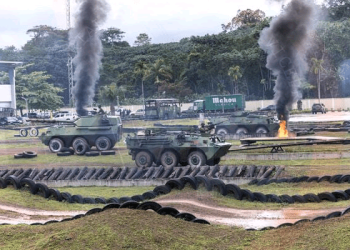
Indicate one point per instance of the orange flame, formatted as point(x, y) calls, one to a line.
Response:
point(282, 131)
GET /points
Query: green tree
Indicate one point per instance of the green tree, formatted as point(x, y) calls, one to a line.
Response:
point(235, 73)
point(140, 70)
point(243, 18)
point(113, 94)
point(317, 69)
point(142, 39)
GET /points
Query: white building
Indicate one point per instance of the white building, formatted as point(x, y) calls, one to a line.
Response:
point(8, 90)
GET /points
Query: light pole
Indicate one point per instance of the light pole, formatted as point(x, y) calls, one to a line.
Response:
point(26, 104)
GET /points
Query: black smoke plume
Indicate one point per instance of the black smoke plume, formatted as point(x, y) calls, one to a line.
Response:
point(86, 37)
point(286, 42)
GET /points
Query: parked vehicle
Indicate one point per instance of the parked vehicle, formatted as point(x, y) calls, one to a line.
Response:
point(11, 120)
point(162, 109)
point(189, 112)
point(101, 131)
point(241, 123)
point(220, 103)
point(318, 107)
point(65, 116)
point(138, 113)
point(269, 108)
point(173, 145)
point(33, 115)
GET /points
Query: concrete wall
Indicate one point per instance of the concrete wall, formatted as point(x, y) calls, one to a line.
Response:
point(5, 96)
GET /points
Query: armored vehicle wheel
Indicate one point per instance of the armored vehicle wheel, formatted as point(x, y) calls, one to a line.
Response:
point(222, 131)
point(196, 159)
point(169, 159)
point(241, 131)
point(261, 130)
point(143, 159)
point(80, 146)
point(55, 145)
point(103, 143)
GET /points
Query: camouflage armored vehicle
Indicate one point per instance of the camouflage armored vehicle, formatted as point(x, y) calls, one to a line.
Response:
point(99, 130)
point(173, 145)
point(244, 123)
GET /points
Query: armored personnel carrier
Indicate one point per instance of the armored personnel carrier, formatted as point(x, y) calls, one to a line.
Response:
point(241, 123)
point(99, 130)
point(173, 145)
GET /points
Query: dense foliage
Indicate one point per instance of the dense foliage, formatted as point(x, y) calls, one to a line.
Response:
point(228, 62)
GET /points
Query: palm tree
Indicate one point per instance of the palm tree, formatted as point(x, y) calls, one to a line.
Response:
point(159, 71)
point(141, 69)
point(235, 73)
point(112, 93)
point(317, 69)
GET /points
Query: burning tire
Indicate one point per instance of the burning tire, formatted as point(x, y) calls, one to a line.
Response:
point(80, 146)
point(196, 159)
point(143, 159)
point(56, 145)
point(103, 143)
point(169, 159)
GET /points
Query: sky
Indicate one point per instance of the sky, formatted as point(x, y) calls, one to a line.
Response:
point(163, 21)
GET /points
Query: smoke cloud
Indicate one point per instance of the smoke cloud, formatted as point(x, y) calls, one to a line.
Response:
point(286, 42)
point(86, 37)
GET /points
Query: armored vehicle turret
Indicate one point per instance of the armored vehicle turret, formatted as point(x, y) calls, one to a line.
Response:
point(173, 145)
point(99, 130)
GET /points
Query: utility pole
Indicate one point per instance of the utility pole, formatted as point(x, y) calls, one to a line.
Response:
point(70, 59)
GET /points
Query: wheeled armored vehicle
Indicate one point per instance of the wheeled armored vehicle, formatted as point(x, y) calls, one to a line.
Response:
point(173, 145)
point(99, 130)
point(241, 123)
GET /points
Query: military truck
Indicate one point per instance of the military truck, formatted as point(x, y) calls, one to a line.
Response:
point(173, 145)
point(242, 123)
point(220, 103)
point(98, 130)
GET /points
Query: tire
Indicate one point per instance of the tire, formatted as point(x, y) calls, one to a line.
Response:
point(64, 153)
point(108, 152)
point(234, 190)
point(89, 200)
point(23, 132)
point(100, 200)
point(185, 216)
point(335, 178)
point(80, 146)
point(262, 182)
point(77, 198)
point(138, 198)
point(143, 159)
point(169, 159)
point(56, 145)
point(175, 183)
point(124, 199)
point(285, 198)
point(299, 198)
point(247, 195)
point(200, 221)
point(162, 189)
point(241, 131)
point(273, 198)
point(33, 132)
point(30, 183)
point(149, 205)
point(111, 206)
point(219, 185)
point(14, 181)
point(3, 183)
point(301, 221)
point(324, 178)
point(344, 178)
point(327, 196)
point(149, 195)
point(93, 211)
point(221, 132)
point(67, 197)
point(29, 154)
point(168, 211)
point(340, 195)
point(64, 149)
point(260, 197)
point(201, 179)
point(55, 193)
point(311, 198)
point(92, 153)
point(319, 218)
point(196, 159)
point(130, 204)
point(312, 178)
point(103, 143)
point(18, 156)
point(113, 200)
point(302, 179)
point(190, 180)
point(42, 190)
point(334, 215)
point(261, 130)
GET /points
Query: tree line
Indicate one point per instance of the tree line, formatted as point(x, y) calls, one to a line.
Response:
point(228, 62)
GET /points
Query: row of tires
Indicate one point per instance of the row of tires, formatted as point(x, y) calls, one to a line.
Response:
point(338, 178)
point(133, 173)
point(135, 202)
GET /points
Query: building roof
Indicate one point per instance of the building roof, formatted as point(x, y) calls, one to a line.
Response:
point(6, 65)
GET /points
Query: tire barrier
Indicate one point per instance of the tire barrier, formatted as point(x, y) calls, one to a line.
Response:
point(134, 173)
point(208, 183)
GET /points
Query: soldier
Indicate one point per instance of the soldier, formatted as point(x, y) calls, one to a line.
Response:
point(100, 110)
